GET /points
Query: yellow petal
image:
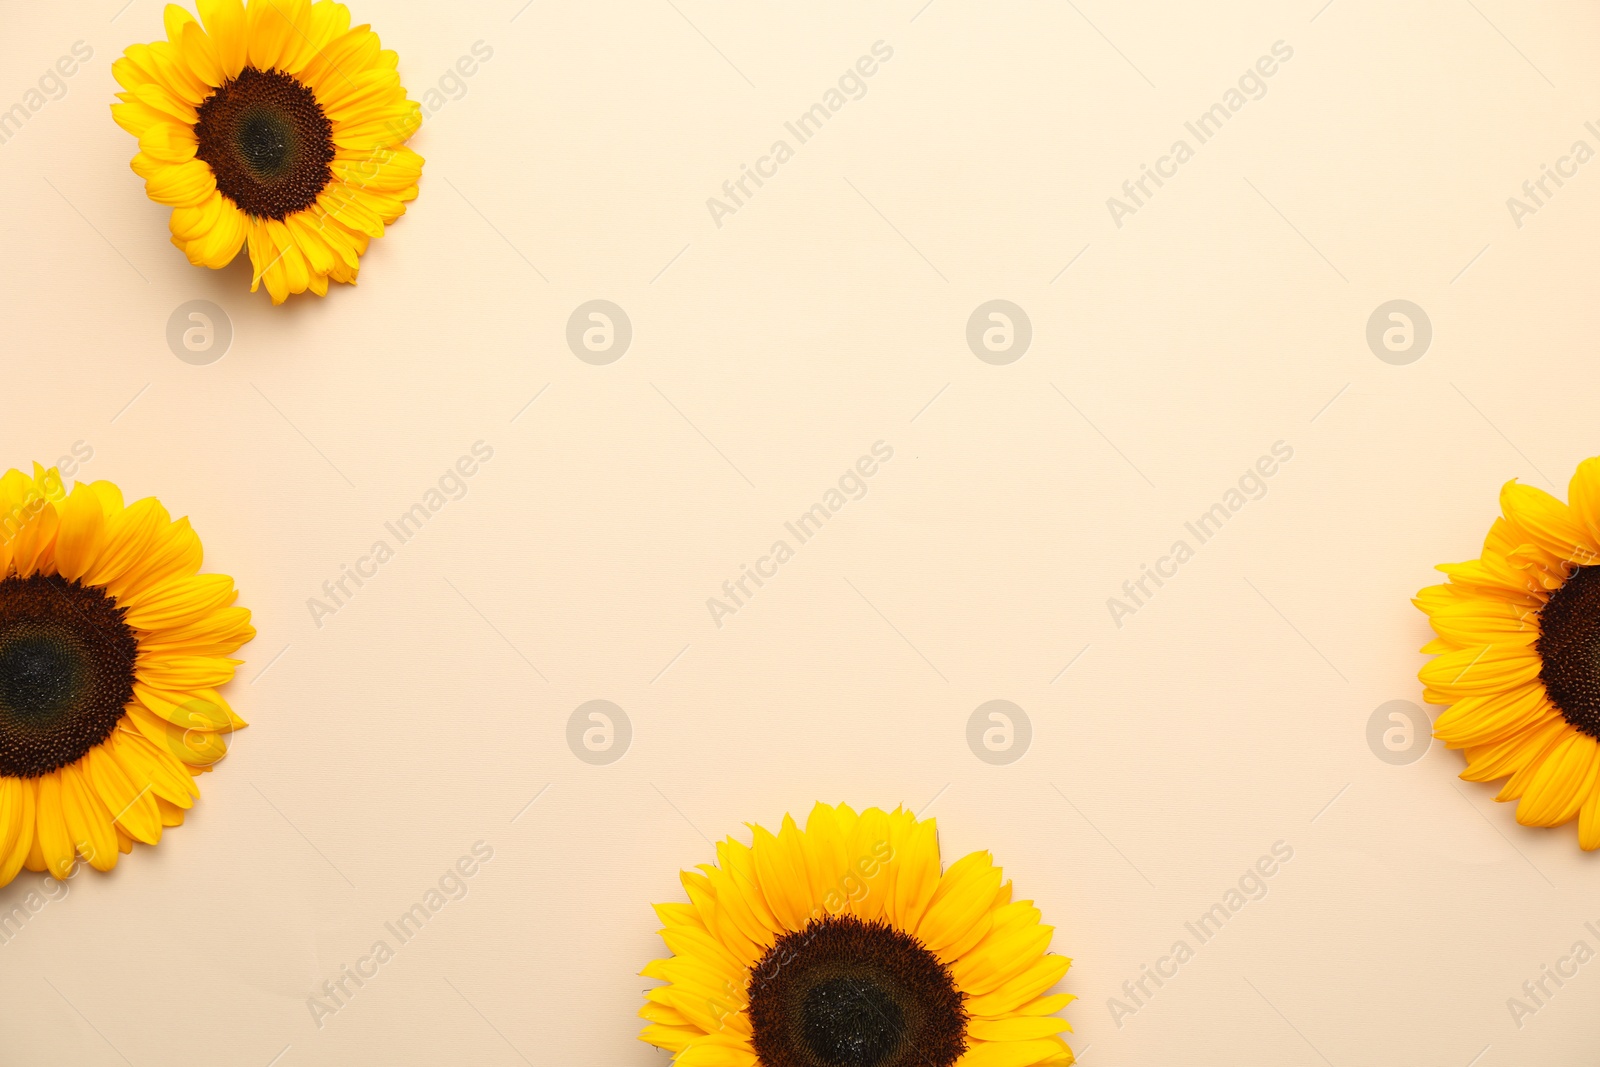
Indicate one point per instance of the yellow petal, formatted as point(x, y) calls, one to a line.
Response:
point(1476, 670)
point(225, 25)
point(1009, 1053)
point(1562, 783)
point(88, 821)
point(169, 142)
point(275, 28)
point(1016, 1029)
point(132, 803)
point(1041, 975)
point(55, 842)
point(1548, 522)
point(916, 850)
point(201, 54)
point(964, 896)
point(81, 534)
point(173, 551)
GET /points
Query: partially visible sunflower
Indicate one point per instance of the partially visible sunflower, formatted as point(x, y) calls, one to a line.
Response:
point(274, 125)
point(845, 945)
point(112, 648)
point(1518, 654)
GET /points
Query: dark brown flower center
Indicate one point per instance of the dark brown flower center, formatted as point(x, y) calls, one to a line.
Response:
point(847, 993)
point(267, 141)
point(66, 672)
point(1569, 649)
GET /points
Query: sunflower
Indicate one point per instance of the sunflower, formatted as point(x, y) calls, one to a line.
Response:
point(275, 125)
point(845, 946)
point(1518, 654)
point(111, 651)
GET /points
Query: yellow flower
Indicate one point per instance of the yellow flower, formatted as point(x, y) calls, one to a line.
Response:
point(275, 125)
point(1517, 656)
point(112, 648)
point(844, 945)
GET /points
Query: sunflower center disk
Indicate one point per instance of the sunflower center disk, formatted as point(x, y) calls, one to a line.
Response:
point(66, 672)
point(853, 1022)
point(847, 993)
point(1569, 649)
point(267, 141)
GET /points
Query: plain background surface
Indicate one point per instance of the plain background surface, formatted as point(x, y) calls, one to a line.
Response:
point(769, 353)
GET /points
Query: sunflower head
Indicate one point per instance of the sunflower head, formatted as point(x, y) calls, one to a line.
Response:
point(1517, 654)
point(274, 126)
point(112, 648)
point(847, 945)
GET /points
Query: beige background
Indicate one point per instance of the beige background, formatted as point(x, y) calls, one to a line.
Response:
point(769, 353)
